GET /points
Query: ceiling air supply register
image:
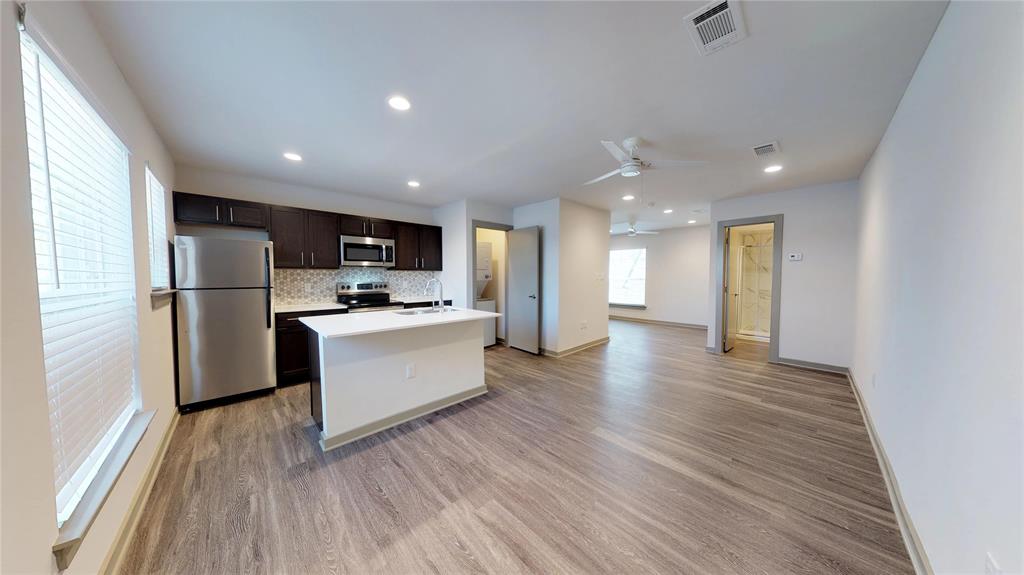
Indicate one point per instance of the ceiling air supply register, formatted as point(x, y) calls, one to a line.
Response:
point(715, 26)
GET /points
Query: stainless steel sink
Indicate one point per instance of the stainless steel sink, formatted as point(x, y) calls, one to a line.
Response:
point(422, 310)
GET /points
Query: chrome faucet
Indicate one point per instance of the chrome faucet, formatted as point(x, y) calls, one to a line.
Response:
point(440, 293)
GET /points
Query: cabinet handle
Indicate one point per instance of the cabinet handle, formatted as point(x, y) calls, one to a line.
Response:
point(312, 257)
point(231, 214)
point(302, 258)
point(216, 212)
point(371, 229)
point(364, 227)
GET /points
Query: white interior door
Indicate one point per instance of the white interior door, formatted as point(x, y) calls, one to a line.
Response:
point(523, 296)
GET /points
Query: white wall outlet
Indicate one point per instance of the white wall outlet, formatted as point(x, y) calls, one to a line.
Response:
point(795, 256)
point(991, 567)
point(583, 326)
point(410, 371)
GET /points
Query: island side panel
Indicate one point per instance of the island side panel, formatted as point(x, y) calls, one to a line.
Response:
point(315, 394)
point(364, 379)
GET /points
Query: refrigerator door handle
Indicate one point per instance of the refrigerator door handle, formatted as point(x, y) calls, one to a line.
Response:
point(269, 301)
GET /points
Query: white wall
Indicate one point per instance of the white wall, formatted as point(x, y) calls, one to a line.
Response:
point(545, 215)
point(677, 275)
point(818, 293)
point(454, 249)
point(939, 337)
point(456, 219)
point(214, 183)
point(28, 499)
point(582, 274)
point(574, 271)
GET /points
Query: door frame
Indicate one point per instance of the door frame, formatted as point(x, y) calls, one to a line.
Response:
point(719, 259)
point(471, 299)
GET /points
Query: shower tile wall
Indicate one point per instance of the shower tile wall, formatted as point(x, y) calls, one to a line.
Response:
point(756, 283)
point(318, 286)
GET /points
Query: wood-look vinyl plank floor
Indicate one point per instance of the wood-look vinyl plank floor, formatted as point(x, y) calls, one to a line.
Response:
point(645, 455)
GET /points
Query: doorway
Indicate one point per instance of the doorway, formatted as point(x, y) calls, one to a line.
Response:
point(749, 278)
point(490, 259)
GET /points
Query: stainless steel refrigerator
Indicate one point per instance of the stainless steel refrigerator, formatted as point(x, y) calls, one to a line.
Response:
point(225, 317)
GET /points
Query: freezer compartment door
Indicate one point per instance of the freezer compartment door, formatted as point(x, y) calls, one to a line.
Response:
point(222, 263)
point(225, 343)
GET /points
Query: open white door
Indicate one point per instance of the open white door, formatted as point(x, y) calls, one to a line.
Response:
point(523, 296)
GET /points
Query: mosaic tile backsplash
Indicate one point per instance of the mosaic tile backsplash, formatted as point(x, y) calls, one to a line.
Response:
point(318, 286)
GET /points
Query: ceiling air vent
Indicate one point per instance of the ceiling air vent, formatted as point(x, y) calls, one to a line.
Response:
point(766, 149)
point(716, 25)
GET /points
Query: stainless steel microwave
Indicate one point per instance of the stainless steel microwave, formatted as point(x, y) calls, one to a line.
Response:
point(367, 252)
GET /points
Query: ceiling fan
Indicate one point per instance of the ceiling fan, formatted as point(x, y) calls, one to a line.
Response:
point(633, 232)
point(630, 163)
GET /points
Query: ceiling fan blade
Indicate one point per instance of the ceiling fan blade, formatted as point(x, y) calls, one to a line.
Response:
point(615, 151)
point(676, 164)
point(640, 233)
point(604, 177)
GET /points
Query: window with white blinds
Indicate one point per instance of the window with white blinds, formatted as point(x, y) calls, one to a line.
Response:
point(627, 276)
point(81, 214)
point(159, 269)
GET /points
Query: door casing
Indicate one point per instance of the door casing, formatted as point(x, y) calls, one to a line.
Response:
point(719, 259)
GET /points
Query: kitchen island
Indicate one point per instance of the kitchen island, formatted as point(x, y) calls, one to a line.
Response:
point(372, 371)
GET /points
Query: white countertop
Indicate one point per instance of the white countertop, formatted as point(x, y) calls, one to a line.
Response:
point(344, 325)
point(288, 308)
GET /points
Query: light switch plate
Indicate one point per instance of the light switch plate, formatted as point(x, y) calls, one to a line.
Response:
point(410, 371)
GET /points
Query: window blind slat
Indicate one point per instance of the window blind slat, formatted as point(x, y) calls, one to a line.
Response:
point(81, 212)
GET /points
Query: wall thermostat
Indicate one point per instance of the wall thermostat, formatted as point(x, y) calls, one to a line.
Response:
point(795, 256)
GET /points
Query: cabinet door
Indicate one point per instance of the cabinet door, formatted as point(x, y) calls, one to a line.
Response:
point(288, 232)
point(430, 248)
point(196, 209)
point(322, 240)
point(407, 246)
point(353, 226)
point(246, 214)
point(292, 355)
point(382, 229)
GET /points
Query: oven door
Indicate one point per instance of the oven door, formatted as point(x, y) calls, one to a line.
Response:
point(367, 252)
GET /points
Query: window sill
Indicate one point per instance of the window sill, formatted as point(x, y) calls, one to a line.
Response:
point(627, 306)
point(72, 532)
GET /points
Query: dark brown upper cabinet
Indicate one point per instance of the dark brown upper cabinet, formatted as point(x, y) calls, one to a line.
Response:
point(323, 240)
point(246, 214)
point(366, 227)
point(430, 248)
point(304, 238)
point(196, 209)
point(417, 247)
point(288, 232)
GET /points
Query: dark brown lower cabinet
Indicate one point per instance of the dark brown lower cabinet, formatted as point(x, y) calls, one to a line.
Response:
point(293, 346)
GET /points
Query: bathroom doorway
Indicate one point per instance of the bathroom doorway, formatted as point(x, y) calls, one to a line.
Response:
point(489, 277)
point(748, 297)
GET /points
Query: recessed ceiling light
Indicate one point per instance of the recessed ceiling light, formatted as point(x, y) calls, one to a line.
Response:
point(668, 211)
point(292, 156)
point(413, 184)
point(772, 169)
point(627, 197)
point(400, 103)
point(691, 221)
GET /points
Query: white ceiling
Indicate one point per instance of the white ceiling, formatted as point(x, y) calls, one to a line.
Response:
point(510, 100)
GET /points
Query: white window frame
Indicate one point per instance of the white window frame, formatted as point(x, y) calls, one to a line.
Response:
point(156, 211)
point(642, 304)
point(80, 181)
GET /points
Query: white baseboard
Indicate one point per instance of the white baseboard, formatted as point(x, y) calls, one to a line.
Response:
point(910, 537)
point(112, 563)
point(658, 322)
